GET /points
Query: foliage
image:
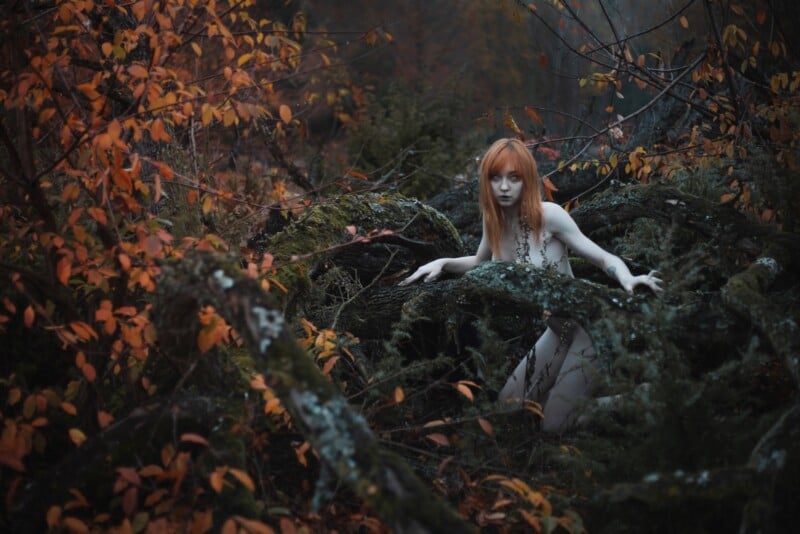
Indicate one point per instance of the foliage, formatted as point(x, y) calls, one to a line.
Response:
point(112, 119)
point(414, 142)
point(132, 133)
point(736, 93)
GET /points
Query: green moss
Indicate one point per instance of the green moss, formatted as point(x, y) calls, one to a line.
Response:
point(307, 242)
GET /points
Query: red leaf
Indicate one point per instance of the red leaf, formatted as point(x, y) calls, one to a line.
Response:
point(104, 418)
point(244, 478)
point(14, 395)
point(89, 372)
point(356, 174)
point(326, 369)
point(229, 527)
point(511, 124)
point(77, 436)
point(194, 438)
point(151, 470)
point(137, 71)
point(439, 439)
point(486, 426)
point(533, 115)
point(124, 261)
point(98, 215)
point(64, 269)
point(129, 475)
point(216, 480)
point(435, 422)
point(543, 61)
point(285, 113)
point(75, 525)
point(29, 315)
point(549, 187)
point(207, 338)
point(69, 408)
point(300, 452)
point(465, 390)
point(9, 460)
point(83, 330)
point(257, 527)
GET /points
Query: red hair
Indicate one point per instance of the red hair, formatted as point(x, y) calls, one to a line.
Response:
point(501, 153)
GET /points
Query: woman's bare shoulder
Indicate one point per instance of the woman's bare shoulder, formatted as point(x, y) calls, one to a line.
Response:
point(548, 206)
point(553, 215)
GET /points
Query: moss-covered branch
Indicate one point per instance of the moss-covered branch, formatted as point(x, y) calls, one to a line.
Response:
point(341, 437)
point(328, 233)
point(746, 294)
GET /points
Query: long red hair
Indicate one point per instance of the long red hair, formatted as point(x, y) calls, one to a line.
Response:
point(514, 152)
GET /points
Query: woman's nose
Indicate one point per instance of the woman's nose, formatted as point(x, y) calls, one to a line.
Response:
point(504, 183)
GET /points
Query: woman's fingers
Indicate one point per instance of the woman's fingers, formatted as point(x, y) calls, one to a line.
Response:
point(432, 276)
point(653, 282)
point(419, 273)
point(648, 280)
point(409, 280)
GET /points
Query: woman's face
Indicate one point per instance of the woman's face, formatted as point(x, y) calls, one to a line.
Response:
point(506, 186)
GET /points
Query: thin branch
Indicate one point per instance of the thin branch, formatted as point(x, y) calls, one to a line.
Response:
point(610, 23)
point(630, 116)
point(362, 290)
point(658, 25)
point(728, 79)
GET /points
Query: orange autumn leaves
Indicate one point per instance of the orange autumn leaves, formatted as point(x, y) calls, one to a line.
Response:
point(213, 329)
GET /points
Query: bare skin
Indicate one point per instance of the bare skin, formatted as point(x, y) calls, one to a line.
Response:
point(564, 355)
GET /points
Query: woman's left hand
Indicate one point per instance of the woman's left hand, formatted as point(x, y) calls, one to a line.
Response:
point(650, 280)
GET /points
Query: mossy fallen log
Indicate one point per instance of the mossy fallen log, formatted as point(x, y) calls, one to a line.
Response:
point(345, 232)
point(509, 297)
point(612, 212)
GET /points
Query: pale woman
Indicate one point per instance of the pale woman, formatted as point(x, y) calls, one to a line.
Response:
point(519, 227)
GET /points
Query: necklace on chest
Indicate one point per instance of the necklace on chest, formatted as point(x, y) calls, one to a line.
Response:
point(522, 234)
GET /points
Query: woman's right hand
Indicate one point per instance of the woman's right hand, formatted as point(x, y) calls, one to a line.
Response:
point(431, 271)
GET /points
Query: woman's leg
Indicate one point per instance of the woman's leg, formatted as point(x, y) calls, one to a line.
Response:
point(575, 382)
point(546, 357)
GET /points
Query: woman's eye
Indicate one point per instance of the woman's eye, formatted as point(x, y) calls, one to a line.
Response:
point(513, 178)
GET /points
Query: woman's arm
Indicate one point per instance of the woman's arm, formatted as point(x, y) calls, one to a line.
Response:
point(432, 270)
point(563, 227)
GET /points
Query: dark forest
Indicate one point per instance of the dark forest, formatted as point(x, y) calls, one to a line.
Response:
point(206, 208)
